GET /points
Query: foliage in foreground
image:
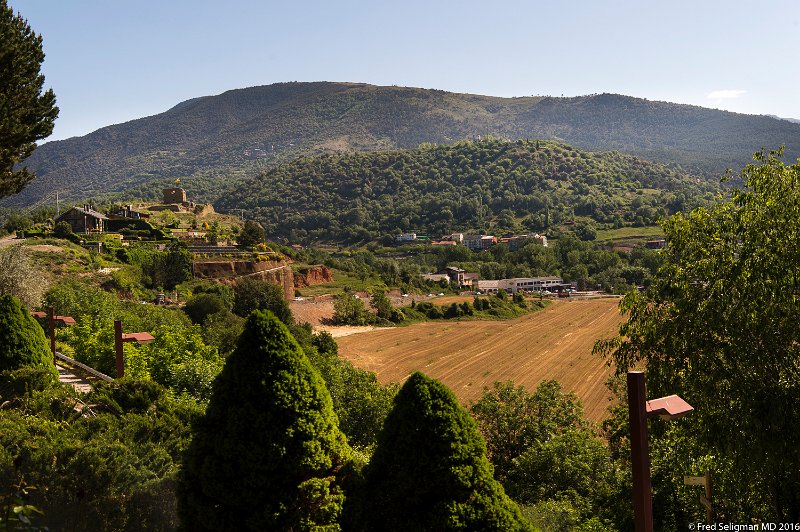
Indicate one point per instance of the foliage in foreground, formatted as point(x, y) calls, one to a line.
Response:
point(720, 326)
point(549, 458)
point(108, 467)
point(430, 471)
point(22, 340)
point(268, 454)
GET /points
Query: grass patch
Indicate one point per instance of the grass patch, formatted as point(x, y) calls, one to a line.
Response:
point(629, 234)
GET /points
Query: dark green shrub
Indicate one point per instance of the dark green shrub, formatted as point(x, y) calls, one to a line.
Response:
point(22, 340)
point(430, 471)
point(62, 230)
point(453, 311)
point(200, 306)
point(127, 394)
point(268, 452)
point(23, 381)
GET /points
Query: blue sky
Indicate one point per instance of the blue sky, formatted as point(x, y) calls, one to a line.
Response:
point(112, 61)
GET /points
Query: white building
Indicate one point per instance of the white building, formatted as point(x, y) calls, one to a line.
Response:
point(520, 284)
point(406, 237)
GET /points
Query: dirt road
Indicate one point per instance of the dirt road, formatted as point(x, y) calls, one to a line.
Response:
point(555, 343)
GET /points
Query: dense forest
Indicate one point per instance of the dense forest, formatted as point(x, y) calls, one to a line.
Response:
point(210, 141)
point(489, 186)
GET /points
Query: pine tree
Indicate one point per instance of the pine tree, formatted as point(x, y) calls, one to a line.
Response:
point(268, 453)
point(26, 114)
point(22, 340)
point(430, 471)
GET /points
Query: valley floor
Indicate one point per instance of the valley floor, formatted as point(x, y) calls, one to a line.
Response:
point(555, 343)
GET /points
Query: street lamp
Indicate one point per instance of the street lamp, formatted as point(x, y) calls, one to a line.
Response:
point(119, 339)
point(52, 320)
point(639, 409)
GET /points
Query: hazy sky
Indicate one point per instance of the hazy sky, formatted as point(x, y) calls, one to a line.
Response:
point(111, 61)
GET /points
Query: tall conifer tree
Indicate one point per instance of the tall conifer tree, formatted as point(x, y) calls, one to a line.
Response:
point(26, 113)
point(268, 452)
point(430, 471)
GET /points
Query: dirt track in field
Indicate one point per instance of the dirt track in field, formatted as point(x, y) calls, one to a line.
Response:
point(555, 343)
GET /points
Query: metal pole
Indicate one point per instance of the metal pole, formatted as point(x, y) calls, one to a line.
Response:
point(640, 460)
point(709, 512)
point(118, 349)
point(51, 320)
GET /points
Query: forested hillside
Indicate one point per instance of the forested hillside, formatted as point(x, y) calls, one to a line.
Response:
point(489, 185)
point(212, 140)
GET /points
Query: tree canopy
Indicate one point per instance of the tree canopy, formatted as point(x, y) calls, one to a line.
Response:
point(251, 235)
point(26, 113)
point(720, 326)
point(268, 451)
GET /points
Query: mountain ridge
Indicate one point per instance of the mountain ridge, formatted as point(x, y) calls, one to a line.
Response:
point(209, 141)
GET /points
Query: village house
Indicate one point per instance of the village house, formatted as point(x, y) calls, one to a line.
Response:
point(83, 219)
point(455, 276)
point(479, 242)
point(127, 213)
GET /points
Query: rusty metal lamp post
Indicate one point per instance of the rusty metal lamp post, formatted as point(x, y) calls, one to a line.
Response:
point(119, 339)
point(639, 409)
point(52, 320)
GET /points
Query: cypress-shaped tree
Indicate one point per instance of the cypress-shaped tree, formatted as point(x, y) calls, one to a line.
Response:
point(430, 470)
point(268, 453)
point(22, 340)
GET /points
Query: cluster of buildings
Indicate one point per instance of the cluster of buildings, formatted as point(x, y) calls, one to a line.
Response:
point(85, 219)
point(478, 242)
point(471, 281)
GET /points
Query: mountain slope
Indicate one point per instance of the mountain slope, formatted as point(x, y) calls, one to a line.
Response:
point(211, 140)
point(491, 186)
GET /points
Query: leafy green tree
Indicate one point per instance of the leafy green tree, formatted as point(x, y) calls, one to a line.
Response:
point(22, 340)
point(267, 455)
point(200, 306)
point(17, 222)
point(222, 330)
point(26, 114)
point(253, 294)
point(19, 277)
point(511, 419)
point(349, 309)
point(252, 234)
point(382, 305)
point(430, 471)
point(720, 326)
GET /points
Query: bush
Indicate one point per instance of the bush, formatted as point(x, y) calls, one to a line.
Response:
point(23, 381)
point(127, 394)
point(200, 306)
point(62, 230)
point(22, 340)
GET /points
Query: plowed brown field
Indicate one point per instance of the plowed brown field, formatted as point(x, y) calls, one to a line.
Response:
point(555, 343)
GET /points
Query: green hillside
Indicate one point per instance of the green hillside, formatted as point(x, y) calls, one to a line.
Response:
point(210, 141)
point(491, 185)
